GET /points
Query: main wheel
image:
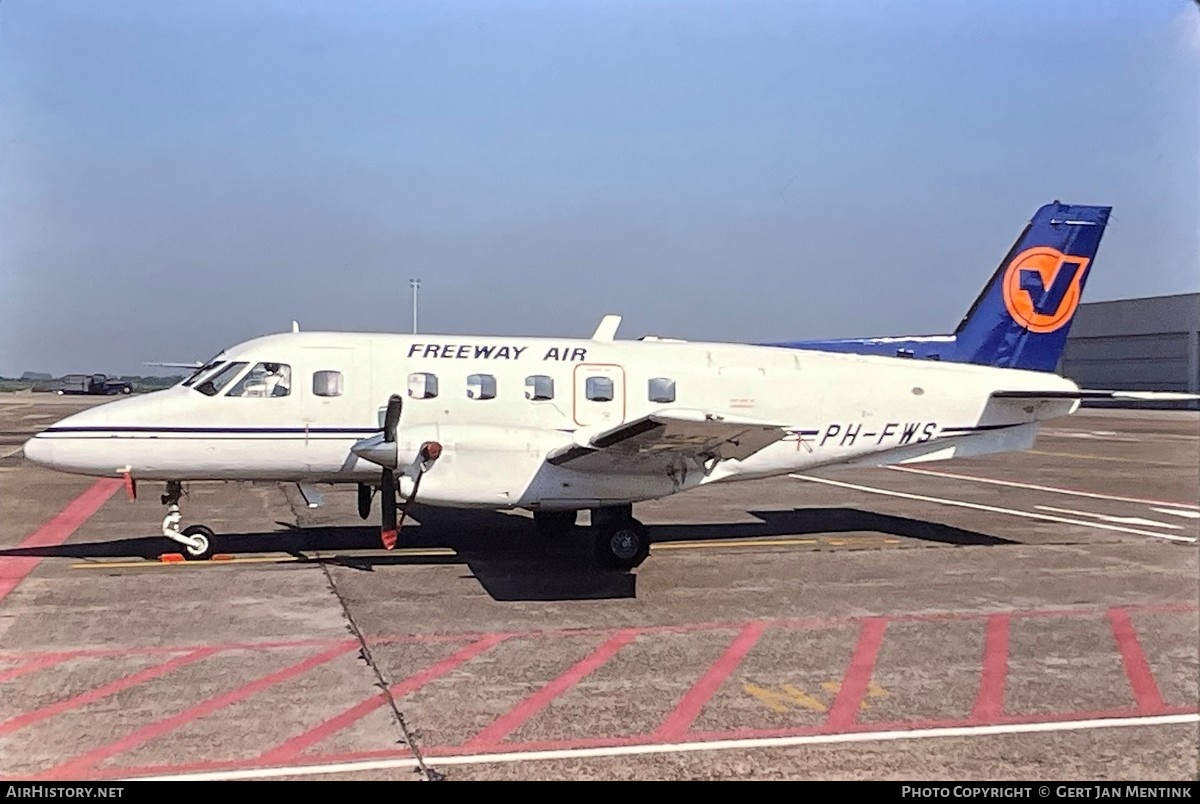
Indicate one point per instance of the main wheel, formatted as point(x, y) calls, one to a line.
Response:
point(554, 524)
point(624, 544)
point(207, 540)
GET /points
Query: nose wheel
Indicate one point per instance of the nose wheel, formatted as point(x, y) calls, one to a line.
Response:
point(197, 540)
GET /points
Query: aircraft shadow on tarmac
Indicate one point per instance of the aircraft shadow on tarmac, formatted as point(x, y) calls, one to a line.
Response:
point(503, 551)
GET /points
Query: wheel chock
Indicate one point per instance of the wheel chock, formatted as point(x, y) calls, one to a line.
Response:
point(171, 558)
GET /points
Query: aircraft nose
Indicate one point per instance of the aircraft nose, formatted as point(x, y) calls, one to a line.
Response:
point(40, 450)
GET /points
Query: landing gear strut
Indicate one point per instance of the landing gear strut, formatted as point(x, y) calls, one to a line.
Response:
point(622, 542)
point(197, 540)
point(554, 524)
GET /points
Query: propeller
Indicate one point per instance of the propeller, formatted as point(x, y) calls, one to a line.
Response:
point(384, 450)
point(389, 530)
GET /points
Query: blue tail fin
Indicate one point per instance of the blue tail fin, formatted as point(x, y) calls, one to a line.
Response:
point(1022, 317)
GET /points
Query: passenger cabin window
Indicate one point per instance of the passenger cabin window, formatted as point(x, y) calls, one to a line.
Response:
point(265, 380)
point(481, 386)
point(662, 390)
point(539, 387)
point(600, 389)
point(213, 385)
point(327, 383)
point(422, 385)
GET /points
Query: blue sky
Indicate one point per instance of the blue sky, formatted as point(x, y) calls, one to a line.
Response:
point(177, 177)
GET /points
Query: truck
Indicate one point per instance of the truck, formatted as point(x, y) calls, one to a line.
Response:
point(93, 385)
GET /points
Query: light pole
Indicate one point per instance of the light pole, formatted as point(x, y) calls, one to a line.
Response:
point(415, 284)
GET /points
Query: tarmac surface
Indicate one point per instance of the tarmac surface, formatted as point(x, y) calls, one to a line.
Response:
point(1024, 616)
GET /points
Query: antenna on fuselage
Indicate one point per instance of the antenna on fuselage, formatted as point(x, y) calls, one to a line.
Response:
point(607, 330)
point(295, 326)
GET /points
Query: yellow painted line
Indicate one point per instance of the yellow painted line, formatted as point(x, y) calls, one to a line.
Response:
point(283, 559)
point(852, 542)
point(731, 543)
point(1102, 458)
point(154, 563)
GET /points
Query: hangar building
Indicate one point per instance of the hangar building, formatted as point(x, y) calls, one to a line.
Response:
point(1136, 344)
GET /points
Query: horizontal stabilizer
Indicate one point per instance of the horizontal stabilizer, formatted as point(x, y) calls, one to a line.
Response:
point(1148, 396)
point(193, 365)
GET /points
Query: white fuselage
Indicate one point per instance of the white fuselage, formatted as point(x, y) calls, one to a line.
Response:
point(840, 410)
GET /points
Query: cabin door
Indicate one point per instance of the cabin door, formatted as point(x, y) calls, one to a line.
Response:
point(335, 384)
point(599, 394)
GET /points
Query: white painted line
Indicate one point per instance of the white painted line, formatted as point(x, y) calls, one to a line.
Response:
point(1120, 520)
point(1093, 436)
point(12, 451)
point(1177, 512)
point(679, 748)
point(1034, 486)
point(994, 509)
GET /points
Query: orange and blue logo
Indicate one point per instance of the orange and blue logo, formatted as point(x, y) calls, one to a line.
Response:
point(1042, 287)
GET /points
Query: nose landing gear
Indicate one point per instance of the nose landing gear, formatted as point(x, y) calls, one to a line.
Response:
point(197, 540)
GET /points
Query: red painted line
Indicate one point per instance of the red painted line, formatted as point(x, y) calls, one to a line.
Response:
point(514, 719)
point(1137, 669)
point(81, 765)
point(795, 623)
point(158, 650)
point(79, 701)
point(844, 711)
point(32, 666)
point(676, 725)
point(989, 704)
point(55, 532)
point(291, 748)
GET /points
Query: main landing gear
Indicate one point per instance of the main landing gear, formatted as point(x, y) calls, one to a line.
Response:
point(621, 542)
point(197, 540)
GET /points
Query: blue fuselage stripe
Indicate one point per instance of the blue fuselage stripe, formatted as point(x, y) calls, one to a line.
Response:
point(348, 431)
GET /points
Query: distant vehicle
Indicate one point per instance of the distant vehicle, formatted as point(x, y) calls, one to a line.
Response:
point(93, 385)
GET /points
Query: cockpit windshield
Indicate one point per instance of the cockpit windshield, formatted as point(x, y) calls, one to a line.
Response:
point(200, 372)
point(213, 385)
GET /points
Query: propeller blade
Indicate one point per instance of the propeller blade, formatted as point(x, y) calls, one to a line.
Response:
point(387, 505)
point(392, 418)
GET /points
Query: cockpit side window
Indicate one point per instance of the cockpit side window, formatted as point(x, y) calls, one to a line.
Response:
point(213, 385)
point(265, 380)
point(200, 372)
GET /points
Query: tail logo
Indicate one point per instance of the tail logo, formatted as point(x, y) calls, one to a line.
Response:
point(1042, 288)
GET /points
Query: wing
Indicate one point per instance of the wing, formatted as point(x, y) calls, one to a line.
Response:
point(663, 442)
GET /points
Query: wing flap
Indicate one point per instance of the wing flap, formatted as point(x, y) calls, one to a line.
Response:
point(662, 442)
